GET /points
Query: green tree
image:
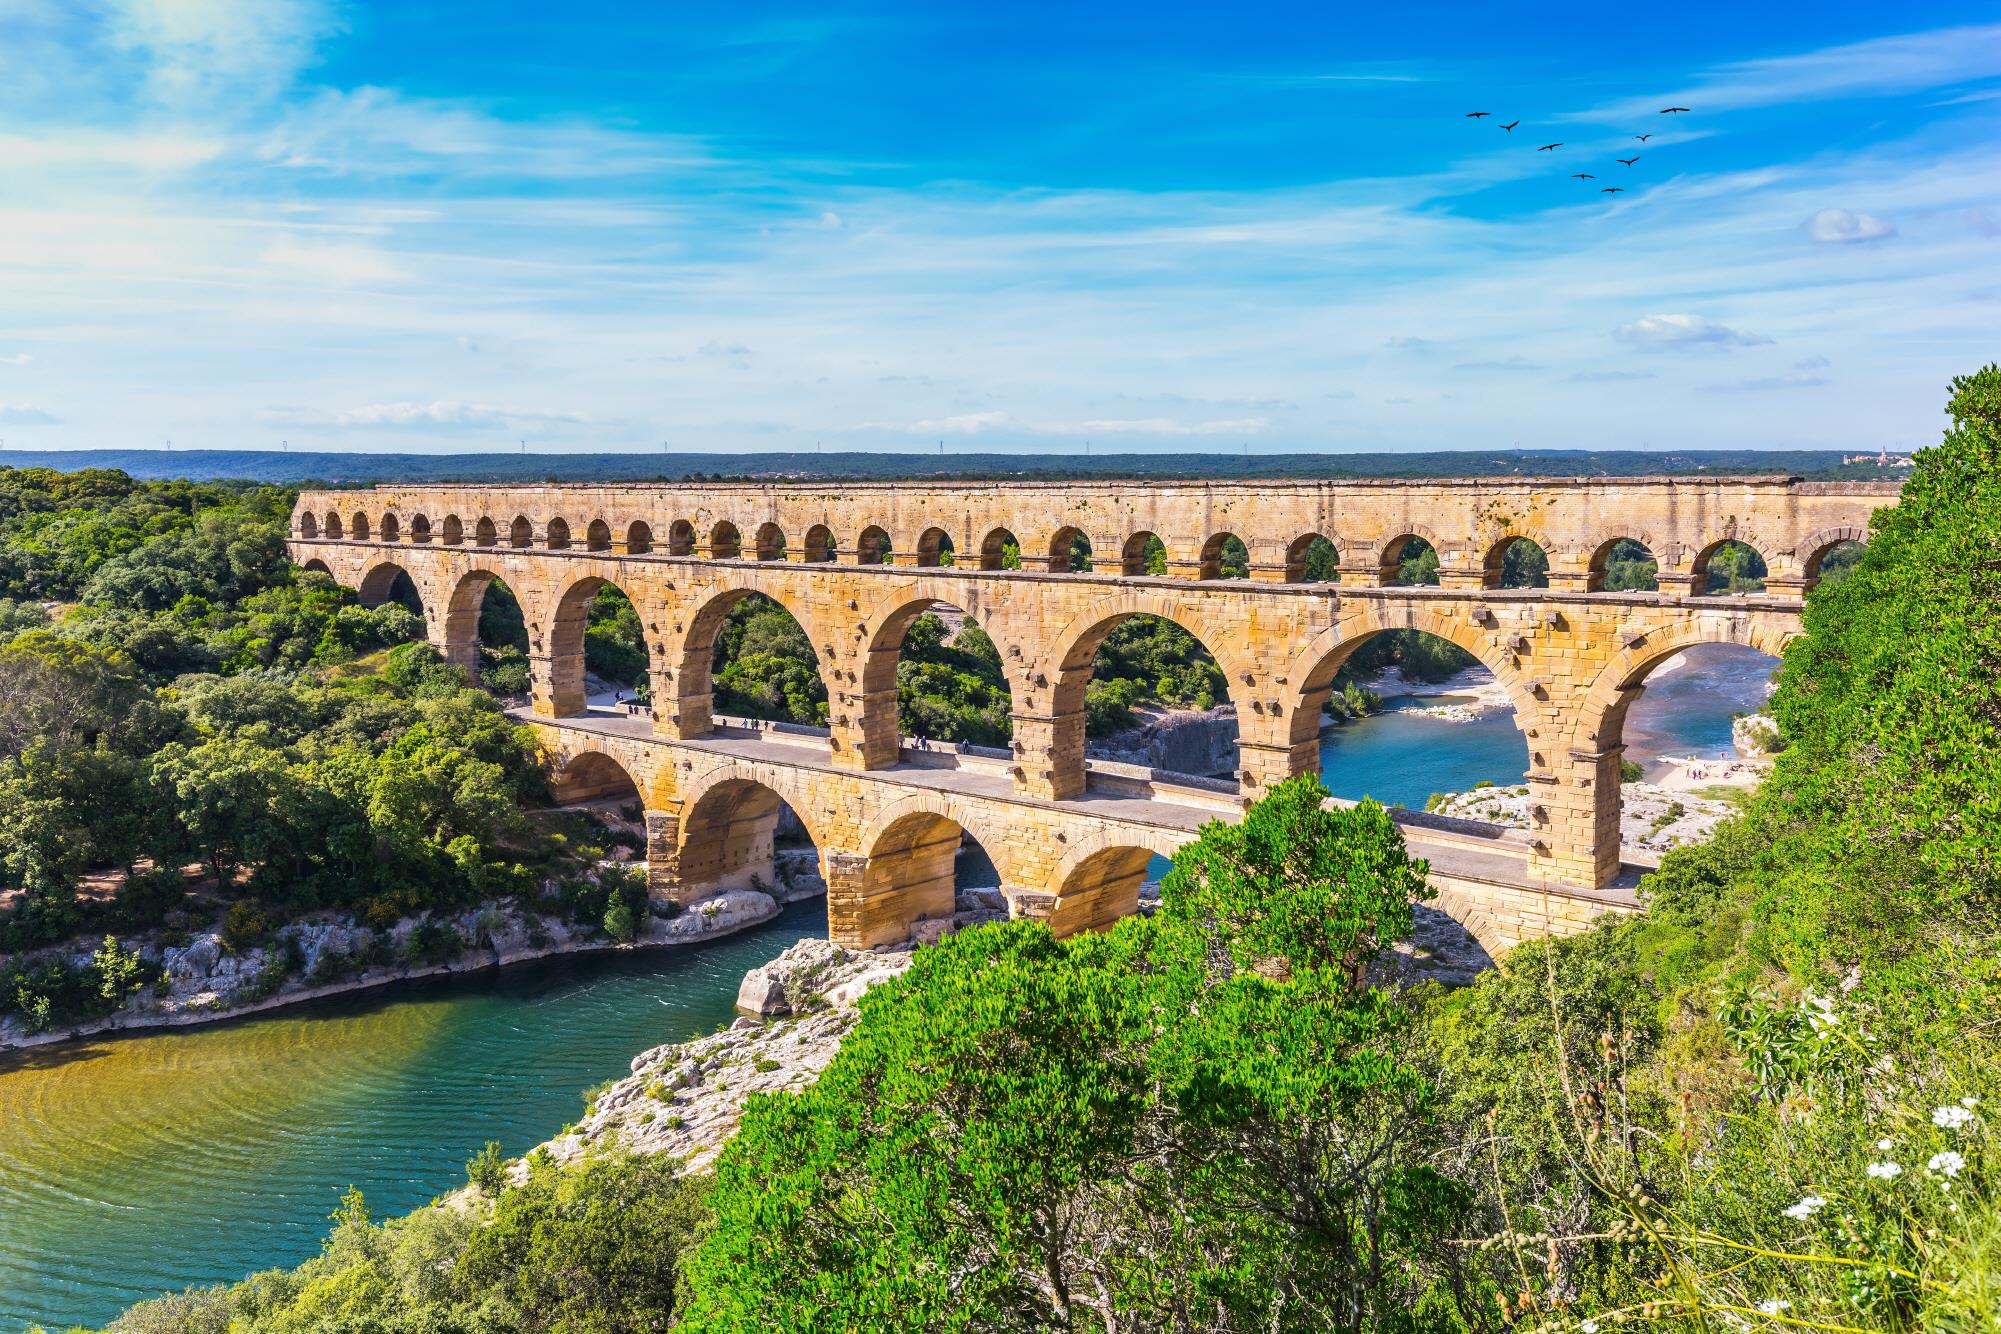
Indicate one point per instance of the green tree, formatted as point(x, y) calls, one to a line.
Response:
point(226, 795)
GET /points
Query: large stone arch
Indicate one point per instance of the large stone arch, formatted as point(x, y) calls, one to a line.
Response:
point(1049, 717)
point(1389, 550)
point(887, 620)
point(317, 564)
point(1597, 553)
point(459, 634)
point(1098, 880)
point(1310, 675)
point(592, 774)
point(906, 871)
point(683, 675)
point(377, 586)
point(1600, 720)
point(725, 833)
point(562, 635)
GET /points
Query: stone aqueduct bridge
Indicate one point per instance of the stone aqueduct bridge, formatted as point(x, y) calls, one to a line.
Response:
point(857, 563)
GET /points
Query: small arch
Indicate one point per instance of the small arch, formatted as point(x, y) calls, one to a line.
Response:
point(420, 528)
point(725, 542)
point(391, 530)
point(318, 566)
point(1312, 559)
point(1622, 565)
point(1832, 553)
point(389, 582)
point(770, 542)
point(486, 533)
point(1515, 562)
point(872, 547)
point(1144, 553)
point(1069, 551)
point(681, 538)
point(1224, 556)
point(333, 529)
point(521, 532)
point(593, 776)
point(597, 537)
point(819, 543)
point(638, 538)
point(934, 547)
point(452, 530)
point(309, 527)
point(1729, 568)
point(1000, 550)
point(1409, 560)
point(359, 528)
point(557, 535)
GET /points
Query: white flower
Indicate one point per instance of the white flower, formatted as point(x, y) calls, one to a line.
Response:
point(1808, 1206)
point(1773, 1305)
point(1948, 1162)
point(1951, 1116)
point(1884, 1171)
point(1969, 1102)
point(1885, 1145)
point(1591, 1327)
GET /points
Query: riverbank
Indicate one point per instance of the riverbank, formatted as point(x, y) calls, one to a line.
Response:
point(1653, 816)
point(204, 981)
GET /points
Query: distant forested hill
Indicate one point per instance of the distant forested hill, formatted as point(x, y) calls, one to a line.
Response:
point(276, 466)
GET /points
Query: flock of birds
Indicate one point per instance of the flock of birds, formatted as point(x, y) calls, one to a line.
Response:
point(1583, 175)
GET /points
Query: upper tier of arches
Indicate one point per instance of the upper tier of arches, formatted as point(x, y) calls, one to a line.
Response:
point(1504, 553)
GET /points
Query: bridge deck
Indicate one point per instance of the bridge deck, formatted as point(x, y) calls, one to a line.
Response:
point(1461, 849)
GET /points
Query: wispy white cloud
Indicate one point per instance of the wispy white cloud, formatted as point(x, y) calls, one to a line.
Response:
point(17, 359)
point(1902, 64)
point(1764, 383)
point(1838, 226)
point(1684, 331)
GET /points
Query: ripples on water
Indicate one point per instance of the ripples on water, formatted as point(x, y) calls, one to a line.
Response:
point(145, 1164)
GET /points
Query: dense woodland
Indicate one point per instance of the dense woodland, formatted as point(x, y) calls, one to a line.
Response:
point(1767, 1103)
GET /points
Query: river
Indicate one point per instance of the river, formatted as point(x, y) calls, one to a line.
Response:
point(136, 1165)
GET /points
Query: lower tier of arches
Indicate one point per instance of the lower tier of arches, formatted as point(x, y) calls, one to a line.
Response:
point(887, 842)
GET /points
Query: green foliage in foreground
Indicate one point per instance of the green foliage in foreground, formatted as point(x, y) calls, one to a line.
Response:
point(1195, 1120)
point(589, 1250)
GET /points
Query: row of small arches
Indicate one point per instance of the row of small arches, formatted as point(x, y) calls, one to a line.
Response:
point(1619, 563)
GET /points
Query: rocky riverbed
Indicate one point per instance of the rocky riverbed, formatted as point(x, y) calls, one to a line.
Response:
point(326, 954)
point(686, 1098)
point(1656, 818)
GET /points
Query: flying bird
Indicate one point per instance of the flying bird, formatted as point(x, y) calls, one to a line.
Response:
point(1643, 137)
point(1629, 161)
point(1511, 125)
point(1582, 176)
point(1546, 147)
point(1611, 190)
point(1669, 111)
point(1475, 115)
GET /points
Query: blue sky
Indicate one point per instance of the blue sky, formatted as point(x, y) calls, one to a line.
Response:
point(445, 226)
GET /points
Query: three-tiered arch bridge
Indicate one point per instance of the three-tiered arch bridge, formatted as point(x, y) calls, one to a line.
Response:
point(856, 563)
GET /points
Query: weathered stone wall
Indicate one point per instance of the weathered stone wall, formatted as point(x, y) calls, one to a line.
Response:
point(1680, 519)
point(1571, 659)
